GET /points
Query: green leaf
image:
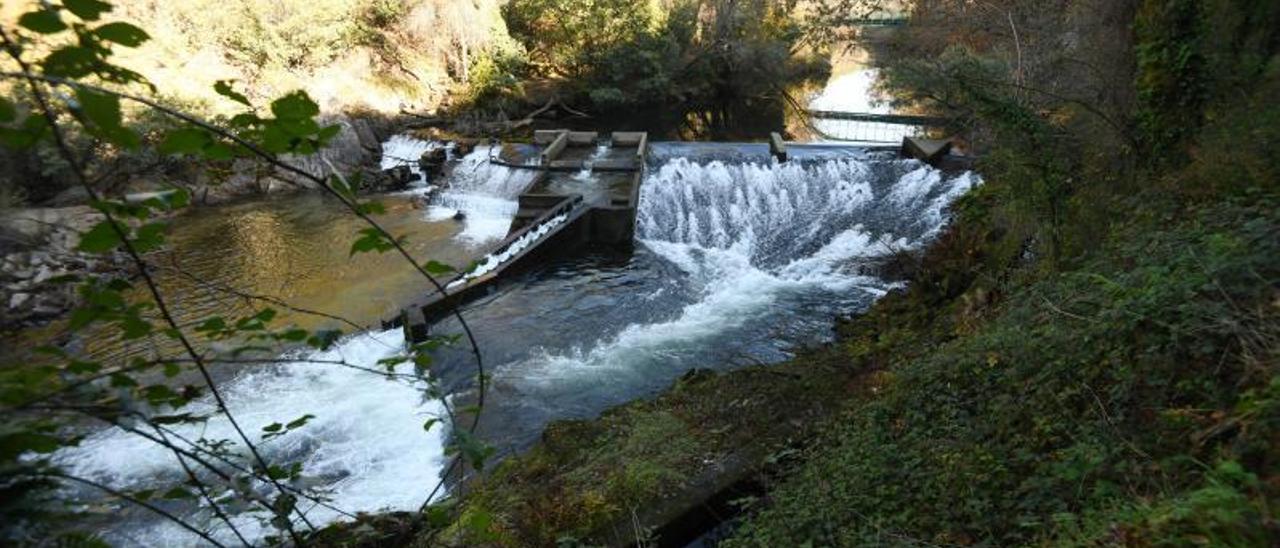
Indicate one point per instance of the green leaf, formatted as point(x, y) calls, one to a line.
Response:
point(104, 118)
point(176, 419)
point(328, 132)
point(372, 208)
point(273, 427)
point(8, 112)
point(172, 369)
point(71, 62)
point(372, 240)
point(78, 367)
point(178, 198)
point(340, 186)
point(427, 426)
point(150, 236)
point(223, 87)
point(295, 423)
point(81, 317)
point(122, 33)
point(219, 151)
point(99, 239)
point(438, 516)
point(89, 10)
point(21, 442)
point(32, 129)
point(294, 335)
point(157, 394)
point(215, 323)
point(295, 106)
point(324, 339)
point(133, 327)
point(45, 21)
point(436, 268)
point(177, 493)
point(184, 141)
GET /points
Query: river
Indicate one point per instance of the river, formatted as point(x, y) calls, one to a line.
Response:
point(739, 260)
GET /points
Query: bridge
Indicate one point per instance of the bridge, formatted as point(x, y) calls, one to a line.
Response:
point(868, 127)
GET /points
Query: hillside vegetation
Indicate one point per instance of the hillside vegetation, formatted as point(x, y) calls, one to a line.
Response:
point(381, 55)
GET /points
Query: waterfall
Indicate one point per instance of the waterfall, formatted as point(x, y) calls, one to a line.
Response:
point(404, 150)
point(485, 193)
point(787, 214)
point(757, 244)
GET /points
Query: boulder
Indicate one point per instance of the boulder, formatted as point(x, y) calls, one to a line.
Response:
point(18, 300)
point(432, 163)
point(390, 180)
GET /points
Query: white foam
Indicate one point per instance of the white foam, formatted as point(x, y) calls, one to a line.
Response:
point(405, 150)
point(366, 441)
point(746, 235)
point(485, 193)
point(493, 260)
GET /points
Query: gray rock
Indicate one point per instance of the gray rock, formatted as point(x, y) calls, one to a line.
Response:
point(45, 274)
point(391, 180)
point(17, 300)
point(75, 195)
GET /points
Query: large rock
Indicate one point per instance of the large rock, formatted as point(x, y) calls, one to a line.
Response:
point(390, 180)
point(432, 163)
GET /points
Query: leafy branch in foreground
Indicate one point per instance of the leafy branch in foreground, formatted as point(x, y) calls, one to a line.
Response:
point(61, 58)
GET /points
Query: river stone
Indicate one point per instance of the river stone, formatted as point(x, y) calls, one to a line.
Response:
point(17, 300)
point(390, 180)
point(44, 274)
point(432, 163)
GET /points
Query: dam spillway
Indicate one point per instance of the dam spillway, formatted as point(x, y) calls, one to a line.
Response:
point(585, 191)
point(582, 189)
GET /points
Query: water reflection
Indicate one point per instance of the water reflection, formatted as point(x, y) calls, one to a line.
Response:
point(287, 252)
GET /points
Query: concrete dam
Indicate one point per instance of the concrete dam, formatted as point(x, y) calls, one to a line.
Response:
point(585, 191)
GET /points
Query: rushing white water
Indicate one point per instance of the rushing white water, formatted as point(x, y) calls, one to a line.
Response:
point(485, 193)
point(366, 446)
point(493, 260)
point(404, 150)
point(748, 236)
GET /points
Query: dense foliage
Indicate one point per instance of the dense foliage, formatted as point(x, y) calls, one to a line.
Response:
point(615, 53)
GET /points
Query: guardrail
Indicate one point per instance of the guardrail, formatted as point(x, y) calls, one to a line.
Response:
point(902, 119)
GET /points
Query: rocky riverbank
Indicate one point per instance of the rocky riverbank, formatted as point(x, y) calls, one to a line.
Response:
point(37, 253)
